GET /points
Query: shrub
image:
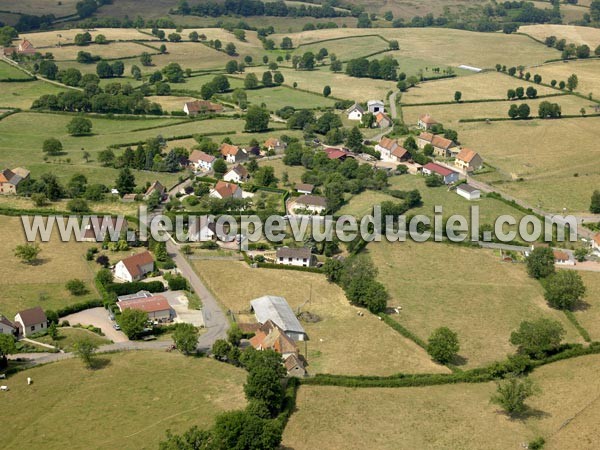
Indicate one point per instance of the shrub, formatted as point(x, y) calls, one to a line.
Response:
point(76, 287)
point(443, 345)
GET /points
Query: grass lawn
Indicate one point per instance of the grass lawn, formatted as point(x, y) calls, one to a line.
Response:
point(9, 71)
point(589, 315)
point(572, 33)
point(342, 342)
point(22, 95)
point(294, 172)
point(451, 114)
point(68, 337)
point(468, 290)
point(588, 74)
point(128, 404)
point(25, 286)
point(482, 86)
point(106, 51)
point(450, 416)
point(556, 159)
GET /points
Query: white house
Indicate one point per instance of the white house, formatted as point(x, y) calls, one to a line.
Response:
point(295, 257)
point(201, 228)
point(375, 106)
point(314, 204)
point(31, 321)
point(563, 258)
point(449, 176)
point(385, 147)
point(224, 189)
point(355, 112)
point(232, 153)
point(7, 327)
point(134, 267)
point(277, 310)
point(425, 122)
point(201, 161)
point(238, 174)
point(469, 192)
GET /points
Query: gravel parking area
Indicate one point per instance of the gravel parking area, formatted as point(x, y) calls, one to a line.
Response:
point(97, 317)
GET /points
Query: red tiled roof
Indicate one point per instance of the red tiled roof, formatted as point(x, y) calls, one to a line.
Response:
point(134, 263)
point(399, 152)
point(440, 170)
point(228, 149)
point(149, 304)
point(335, 153)
point(388, 143)
point(226, 189)
point(199, 155)
point(203, 105)
point(466, 155)
point(426, 118)
point(560, 255)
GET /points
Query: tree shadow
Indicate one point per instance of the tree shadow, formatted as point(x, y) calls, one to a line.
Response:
point(36, 262)
point(460, 360)
point(529, 413)
point(99, 363)
point(580, 306)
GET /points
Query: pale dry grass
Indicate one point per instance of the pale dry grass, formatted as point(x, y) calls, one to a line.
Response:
point(453, 113)
point(558, 160)
point(588, 74)
point(38, 7)
point(589, 314)
point(572, 33)
point(129, 404)
point(482, 86)
point(346, 49)
point(471, 291)
point(342, 342)
point(191, 55)
point(170, 102)
point(106, 51)
point(53, 38)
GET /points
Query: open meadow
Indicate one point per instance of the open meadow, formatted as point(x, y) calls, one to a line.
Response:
point(129, 403)
point(469, 290)
point(552, 163)
point(588, 74)
point(45, 39)
point(348, 48)
point(22, 95)
point(450, 416)
point(43, 284)
point(8, 71)
point(58, 8)
point(572, 33)
point(341, 342)
point(588, 314)
point(68, 337)
point(106, 51)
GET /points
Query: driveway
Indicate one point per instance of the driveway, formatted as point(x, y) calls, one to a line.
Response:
point(97, 317)
point(179, 302)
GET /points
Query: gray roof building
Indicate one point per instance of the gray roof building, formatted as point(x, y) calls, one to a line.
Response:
point(276, 309)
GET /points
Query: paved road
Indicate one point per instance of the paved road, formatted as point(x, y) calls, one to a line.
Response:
point(215, 320)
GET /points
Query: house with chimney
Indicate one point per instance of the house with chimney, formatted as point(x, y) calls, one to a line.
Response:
point(425, 122)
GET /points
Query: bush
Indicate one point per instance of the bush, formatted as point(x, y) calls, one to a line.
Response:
point(177, 283)
point(76, 287)
point(443, 345)
point(135, 286)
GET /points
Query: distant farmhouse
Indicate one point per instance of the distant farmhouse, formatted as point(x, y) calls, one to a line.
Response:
point(31, 321)
point(10, 179)
point(467, 160)
point(382, 120)
point(24, 48)
point(237, 174)
point(201, 107)
point(275, 145)
point(232, 153)
point(442, 147)
point(295, 257)
point(156, 306)
point(224, 190)
point(449, 176)
point(425, 122)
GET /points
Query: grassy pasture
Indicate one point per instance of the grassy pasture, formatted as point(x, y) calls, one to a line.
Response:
point(279, 96)
point(589, 315)
point(44, 39)
point(569, 13)
point(22, 95)
point(453, 113)
point(196, 82)
point(547, 154)
point(190, 55)
point(68, 337)
point(23, 285)
point(408, 9)
point(482, 86)
point(170, 102)
point(572, 33)
point(342, 342)
point(450, 416)
point(345, 49)
point(8, 71)
point(135, 400)
point(106, 51)
point(294, 172)
point(588, 74)
point(461, 288)
point(59, 9)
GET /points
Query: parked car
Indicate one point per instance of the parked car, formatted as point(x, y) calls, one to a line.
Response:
point(117, 327)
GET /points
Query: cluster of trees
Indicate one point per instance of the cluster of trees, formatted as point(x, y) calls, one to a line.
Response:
point(547, 110)
point(595, 202)
point(219, 84)
point(113, 98)
point(570, 50)
point(383, 69)
point(7, 34)
point(247, 8)
point(304, 62)
point(520, 93)
point(519, 112)
point(148, 156)
point(104, 69)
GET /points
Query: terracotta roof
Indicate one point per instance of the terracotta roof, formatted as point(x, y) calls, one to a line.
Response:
point(26, 46)
point(388, 144)
point(597, 238)
point(381, 116)
point(240, 170)
point(134, 263)
point(270, 336)
point(440, 170)
point(226, 189)
point(199, 155)
point(305, 187)
point(6, 175)
point(335, 153)
point(426, 136)
point(426, 118)
point(33, 316)
point(400, 152)
point(313, 200)
point(156, 186)
point(149, 304)
point(299, 253)
point(203, 105)
point(560, 255)
point(228, 149)
point(466, 155)
point(441, 142)
point(273, 142)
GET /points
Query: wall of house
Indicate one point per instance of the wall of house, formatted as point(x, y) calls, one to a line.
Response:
point(122, 273)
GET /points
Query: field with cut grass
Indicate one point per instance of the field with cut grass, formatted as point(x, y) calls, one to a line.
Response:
point(294, 172)
point(588, 74)
point(453, 416)
point(279, 96)
point(22, 95)
point(68, 337)
point(588, 314)
point(59, 8)
point(556, 159)
point(106, 51)
point(342, 342)
point(453, 113)
point(44, 39)
point(482, 86)
point(190, 55)
point(346, 49)
point(25, 286)
point(469, 290)
point(129, 403)
point(170, 102)
point(9, 71)
point(572, 33)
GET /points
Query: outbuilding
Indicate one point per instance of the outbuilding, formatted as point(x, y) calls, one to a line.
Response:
point(469, 192)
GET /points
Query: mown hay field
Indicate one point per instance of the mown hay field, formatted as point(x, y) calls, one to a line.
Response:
point(45, 39)
point(129, 403)
point(564, 413)
point(348, 48)
point(482, 86)
point(106, 51)
point(588, 74)
point(34, 7)
point(572, 33)
point(22, 95)
point(556, 159)
point(342, 342)
point(469, 290)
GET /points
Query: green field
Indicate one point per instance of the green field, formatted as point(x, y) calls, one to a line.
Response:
point(8, 71)
point(128, 404)
point(279, 96)
point(68, 337)
point(564, 413)
point(22, 95)
point(471, 291)
point(346, 49)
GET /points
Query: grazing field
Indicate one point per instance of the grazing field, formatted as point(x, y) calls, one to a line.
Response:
point(408, 9)
point(588, 314)
point(25, 286)
point(279, 96)
point(588, 74)
point(44, 39)
point(8, 71)
point(294, 172)
point(112, 205)
point(342, 342)
point(572, 33)
point(190, 55)
point(136, 397)
point(22, 95)
point(561, 173)
point(59, 9)
point(471, 291)
point(195, 83)
point(565, 413)
point(451, 114)
point(170, 102)
point(446, 46)
point(68, 337)
point(106, 51)
point(346, 49)
point(482, 86)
